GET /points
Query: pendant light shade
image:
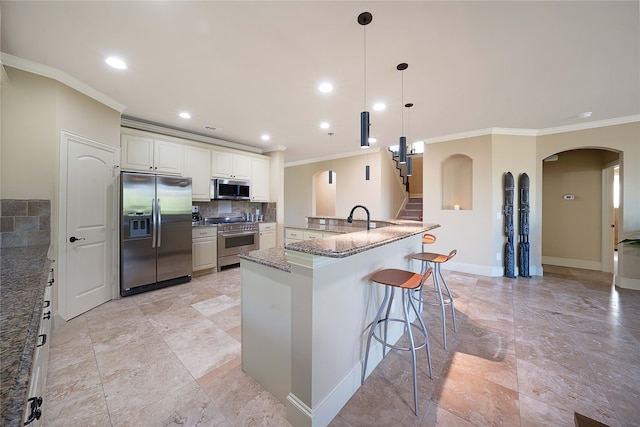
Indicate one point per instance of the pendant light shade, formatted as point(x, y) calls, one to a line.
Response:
point(367, 173)
point(402, 150)
point(364, 19)
point(364, 129)
point(409, 167)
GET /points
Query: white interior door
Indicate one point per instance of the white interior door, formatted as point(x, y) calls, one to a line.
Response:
point(88, 203)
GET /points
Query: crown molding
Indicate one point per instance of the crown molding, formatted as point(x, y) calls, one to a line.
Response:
point(590, 125)
point(60, 76)
point(360, 152)
point(535, 132)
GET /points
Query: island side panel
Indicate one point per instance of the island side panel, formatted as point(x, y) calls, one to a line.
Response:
point(333, 303)
point(266, 326)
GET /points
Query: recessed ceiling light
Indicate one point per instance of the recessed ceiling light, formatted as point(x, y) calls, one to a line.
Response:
point(325, 87)
point(185, 115)
point(585, 115)
point(372, 140)
point(379, 106)
point(265, 137)
point(116, 63)
point(325, 125)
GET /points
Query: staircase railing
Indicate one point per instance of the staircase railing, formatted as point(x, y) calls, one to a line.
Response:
point(402, 169)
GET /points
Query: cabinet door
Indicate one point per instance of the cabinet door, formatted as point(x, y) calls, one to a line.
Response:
point(221, 164)
point(267, 239)
point(197, 165)
point(167, 157)
point(204, 254)
point(241, 167)
point(259, 180)
point(137, 154)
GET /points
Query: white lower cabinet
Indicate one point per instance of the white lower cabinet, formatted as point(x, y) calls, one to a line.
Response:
point(35, 405)
point(267, 235)
point(205, 248)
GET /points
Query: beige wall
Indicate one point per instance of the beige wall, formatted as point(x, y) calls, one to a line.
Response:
point(572, 227)
point(29, 124)
point(625, 139)
point(415, 180)
point(352, 189)
point(34, 111)
point(468, 231)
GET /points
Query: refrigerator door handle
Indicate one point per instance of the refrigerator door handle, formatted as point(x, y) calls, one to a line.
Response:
point(154, 222)
point(159, 213)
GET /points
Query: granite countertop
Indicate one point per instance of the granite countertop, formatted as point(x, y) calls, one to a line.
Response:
point(340, 245)
point(273, 257)
point(22, 284)
point(344, 245)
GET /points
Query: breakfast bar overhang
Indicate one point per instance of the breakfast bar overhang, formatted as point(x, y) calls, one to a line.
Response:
point(306, 309)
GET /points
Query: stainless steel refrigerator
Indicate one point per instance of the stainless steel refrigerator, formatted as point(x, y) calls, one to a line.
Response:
point(155, 235)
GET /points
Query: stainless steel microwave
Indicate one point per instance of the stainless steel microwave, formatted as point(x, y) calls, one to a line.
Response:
point(228, 189)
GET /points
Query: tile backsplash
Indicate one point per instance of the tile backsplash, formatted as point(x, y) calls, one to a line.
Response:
point(25, 222)
point(217, 208)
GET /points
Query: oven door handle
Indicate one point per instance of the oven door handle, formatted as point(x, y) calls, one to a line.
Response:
point(236, 234)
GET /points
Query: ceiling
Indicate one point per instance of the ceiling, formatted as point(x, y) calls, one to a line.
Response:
point(250, 68)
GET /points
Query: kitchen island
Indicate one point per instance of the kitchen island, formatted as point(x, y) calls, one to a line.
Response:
point(306, 309)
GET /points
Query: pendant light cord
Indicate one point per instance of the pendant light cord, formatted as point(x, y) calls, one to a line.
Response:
point(364, 28)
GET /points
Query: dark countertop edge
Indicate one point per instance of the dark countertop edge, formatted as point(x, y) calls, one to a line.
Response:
point(12, 413)
point(308, 248)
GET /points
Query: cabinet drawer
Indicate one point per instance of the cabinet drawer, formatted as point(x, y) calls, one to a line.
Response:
point(294, 234)
point(310, 235)
point(202, 232)
point(265, 226)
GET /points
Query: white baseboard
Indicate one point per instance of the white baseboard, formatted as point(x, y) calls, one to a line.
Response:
point(627, 283)
point(300, 415)
point(573, 263)
point(486, 270)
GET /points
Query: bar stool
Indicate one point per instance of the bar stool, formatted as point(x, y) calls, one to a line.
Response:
point(443, 298)
point(408, 282)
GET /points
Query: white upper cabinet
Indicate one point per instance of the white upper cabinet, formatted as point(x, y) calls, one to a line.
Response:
point(151, 155)
point(259, 179)
point(197, 165)
point(230, 165)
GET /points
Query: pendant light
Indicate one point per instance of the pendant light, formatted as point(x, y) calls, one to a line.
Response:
point(364, 19)
point(409, 161)
point(402, 144)
point(330, 171)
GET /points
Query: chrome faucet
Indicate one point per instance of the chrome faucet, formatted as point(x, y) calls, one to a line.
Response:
point(350, 217)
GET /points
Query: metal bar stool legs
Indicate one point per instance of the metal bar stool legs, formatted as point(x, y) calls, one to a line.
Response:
point(407, 282)
point(443, 298)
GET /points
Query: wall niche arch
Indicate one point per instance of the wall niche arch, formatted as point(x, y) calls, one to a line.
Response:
point(457, 182)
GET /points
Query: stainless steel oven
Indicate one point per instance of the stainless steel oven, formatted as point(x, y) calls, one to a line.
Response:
point(234, 239)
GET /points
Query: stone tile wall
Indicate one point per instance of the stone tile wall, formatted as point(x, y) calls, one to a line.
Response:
point(25, 223)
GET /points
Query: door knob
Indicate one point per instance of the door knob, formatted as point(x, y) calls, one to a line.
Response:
point(74, 238)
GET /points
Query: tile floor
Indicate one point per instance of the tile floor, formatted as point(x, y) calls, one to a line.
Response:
point(528, 352)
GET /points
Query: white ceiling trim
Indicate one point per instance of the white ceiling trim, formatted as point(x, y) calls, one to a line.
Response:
point(590, 125)
point(534, 132)
point(361, 152)
point(60, 76)
point(134, 123)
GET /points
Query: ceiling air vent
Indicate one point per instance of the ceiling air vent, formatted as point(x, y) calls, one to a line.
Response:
point(211, 128)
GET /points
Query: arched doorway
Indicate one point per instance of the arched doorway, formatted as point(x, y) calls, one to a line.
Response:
point(324, 194)
point(578, 209)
